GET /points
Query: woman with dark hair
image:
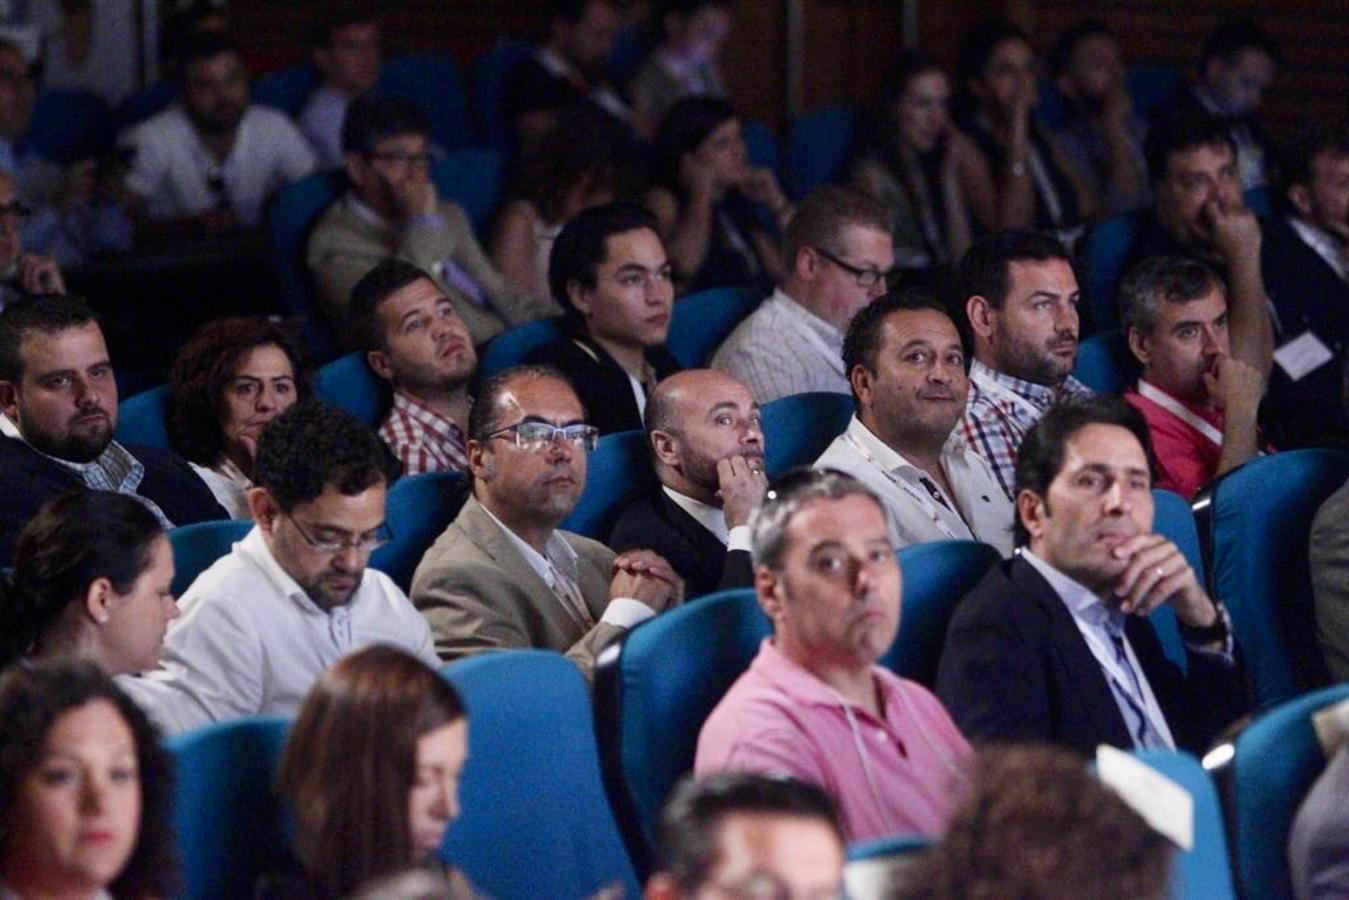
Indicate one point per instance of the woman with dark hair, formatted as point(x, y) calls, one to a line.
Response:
point(371, 772)
point(1021, 178)
point(703, 195)
point(92, 580)
point(84, 789)
point(910, 163)
point(229, 380)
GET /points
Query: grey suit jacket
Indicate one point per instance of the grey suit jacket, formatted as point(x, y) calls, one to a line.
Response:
point(1328, 554)
point(1318, 844)
point(479, 593)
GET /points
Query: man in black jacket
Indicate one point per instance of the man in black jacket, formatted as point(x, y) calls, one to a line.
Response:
point(59, 404)
point(1054, 645)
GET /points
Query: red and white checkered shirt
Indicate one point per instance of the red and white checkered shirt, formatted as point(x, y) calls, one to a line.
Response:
point(423, 439)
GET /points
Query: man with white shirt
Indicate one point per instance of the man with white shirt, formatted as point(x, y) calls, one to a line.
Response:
point(1054, 644)
point(707, 448)
point(260, 625)
point(839, 252)
point(502, 576)
point(907, 367)
point(208, 164)
point(346, 52)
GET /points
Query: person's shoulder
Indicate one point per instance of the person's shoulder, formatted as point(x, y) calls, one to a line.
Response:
point(167, 124)
point(266, 120)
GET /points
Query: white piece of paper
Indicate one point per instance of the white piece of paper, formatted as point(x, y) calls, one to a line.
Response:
point(1166, 806)
point(1302, 355)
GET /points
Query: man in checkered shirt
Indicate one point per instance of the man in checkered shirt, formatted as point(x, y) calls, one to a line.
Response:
point(1021, 297)
point(414, 340)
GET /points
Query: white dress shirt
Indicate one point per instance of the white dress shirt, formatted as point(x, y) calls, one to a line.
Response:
point(979, 510)
point(782, 349)
point(250, 641)
point(711, 518)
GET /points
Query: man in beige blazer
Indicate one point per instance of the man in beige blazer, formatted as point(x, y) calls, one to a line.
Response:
point(502, 576)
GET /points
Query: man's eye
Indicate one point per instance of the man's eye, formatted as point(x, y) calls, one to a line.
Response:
point(725, 420)
point(1187, 333)
point(917, 357)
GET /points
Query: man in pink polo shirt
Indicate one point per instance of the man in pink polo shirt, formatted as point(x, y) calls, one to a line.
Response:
point(813, 704)
point(1200, 403)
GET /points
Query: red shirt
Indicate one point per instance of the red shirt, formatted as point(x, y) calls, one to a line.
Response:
point(1186, 458)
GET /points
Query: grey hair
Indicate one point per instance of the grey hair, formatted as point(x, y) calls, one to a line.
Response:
point(1173, 279)
point(788, 493)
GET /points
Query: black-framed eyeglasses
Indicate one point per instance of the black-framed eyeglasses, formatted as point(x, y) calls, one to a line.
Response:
point(535, 437)
point(362, 543)
point(865, 278)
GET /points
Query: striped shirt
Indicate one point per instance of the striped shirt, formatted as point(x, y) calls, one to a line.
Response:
point(782, 349)
point(423, 439)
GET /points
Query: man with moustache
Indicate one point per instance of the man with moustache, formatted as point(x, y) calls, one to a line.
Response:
point(1054, 644)
point(1200, 402)
point(502, 575)
point(907, 367)
point(707, 448)
point(59, 403)
point(1021, 300)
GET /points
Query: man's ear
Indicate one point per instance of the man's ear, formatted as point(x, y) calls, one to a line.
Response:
point(9, 400)
point(1032, 511)
point(768, 588)
point(807, 264)
point(480, 462)
point(860, 378)
point(264, 508)
point(356, 167)
point(378, 360)
point(665, 448)
point(1301, 199)
point(579, 297)
point(982, 316)
point(97, 600)
point(1140, 345)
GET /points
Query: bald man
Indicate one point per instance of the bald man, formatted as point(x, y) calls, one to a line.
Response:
point(707, 449)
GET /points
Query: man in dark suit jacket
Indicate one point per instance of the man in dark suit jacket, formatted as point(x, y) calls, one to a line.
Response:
point(59, 401)
point(1054, 645)
point(707, 450)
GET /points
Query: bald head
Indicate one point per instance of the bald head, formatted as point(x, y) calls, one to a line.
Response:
point(695, 419)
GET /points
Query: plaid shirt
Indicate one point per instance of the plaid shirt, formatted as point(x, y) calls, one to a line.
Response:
point(995, 425)
point(423, 439)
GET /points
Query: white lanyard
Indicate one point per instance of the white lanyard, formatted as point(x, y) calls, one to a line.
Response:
point(923, 498)
point(991, 386)
point(1177, 409)
point(1122, 682)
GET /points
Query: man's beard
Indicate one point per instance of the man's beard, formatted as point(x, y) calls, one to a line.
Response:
point(76, 448)
point(1033, 364)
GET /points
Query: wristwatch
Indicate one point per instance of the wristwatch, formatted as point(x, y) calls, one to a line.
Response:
point(1208, 634)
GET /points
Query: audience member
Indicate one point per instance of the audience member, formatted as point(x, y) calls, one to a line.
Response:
point(77, 758)
point(91, 581)
point(1236, 67)
point(909, 162)
point(22, 273)
point(229, 380)
point(707, 448)
point(1103, 136)
point(907, 369)
point(1020, 178)
point(583, 160)
point(609, 271)
point(58, 398)
point(260, 625)
point(1062, 628)
point(502, 575)
point(826, 575)
point(1060, 835)
point(392, 209)
point(685, 61)
point(839, 255)
point(414, 340)
point(208, 164)
point(371, 771)
point(1328, 556)
point(345, 50)
point(89, 45)
point(747, 835)
point(704, 193)
point(1200, 403)
point(1318, 859)
point(566, 71)
point(1021, 298)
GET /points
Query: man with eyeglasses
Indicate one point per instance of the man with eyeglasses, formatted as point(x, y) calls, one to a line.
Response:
point(838, 252)
point(260, 625)
point(392, 209)
point(502, 576)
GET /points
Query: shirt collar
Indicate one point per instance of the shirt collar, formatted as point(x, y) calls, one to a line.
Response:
point(116, 462)
point(424, 414)
point(1039, 394)
point(1081, 602)
point(254, 546)
point(806, 317)
point(706, 515)
point(1325, 246)
point(1210, 414)
point(364, 211)
point(559, 556)
point(798, 682)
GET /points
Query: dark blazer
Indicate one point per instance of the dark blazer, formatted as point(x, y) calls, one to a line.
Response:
point(1016, 668)
point(28, 479)
point(655, 522)
point(599, 380)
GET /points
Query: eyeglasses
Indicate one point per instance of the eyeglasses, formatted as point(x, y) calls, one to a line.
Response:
point(364, 544)
point(535, 437)
point(765, 886)
point(399, 158)
point(865, 278)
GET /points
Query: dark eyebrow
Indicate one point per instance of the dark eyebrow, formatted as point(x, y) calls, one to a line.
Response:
point(1104, 469)
point(547, 422)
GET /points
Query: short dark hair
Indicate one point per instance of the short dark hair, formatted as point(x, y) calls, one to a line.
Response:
point(389, 276)
point(338, 15)
point(680, 132)
point(311, 446)
point(482, 416)
point(1230, 38)
point(689, 833)
point(1173, 279)
point(583, 245)
point(33, 696)
point(985, 270)
point(1061, 54)
point(202, 370)
point(1040, 456)
point(862, 343)
point(47, 313)
point(1308, 143)
point(980, 42)
point(823, 217)
point(204, 43)
point(1179, 132)
point(374, 117)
